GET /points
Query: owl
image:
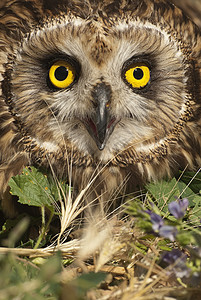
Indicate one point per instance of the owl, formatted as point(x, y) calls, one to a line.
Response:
point(104, 91)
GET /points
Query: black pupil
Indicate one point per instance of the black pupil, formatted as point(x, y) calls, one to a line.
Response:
point(61, 73)
point(138, 73)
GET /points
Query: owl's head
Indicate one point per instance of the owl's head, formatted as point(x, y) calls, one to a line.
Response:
point(106, 80)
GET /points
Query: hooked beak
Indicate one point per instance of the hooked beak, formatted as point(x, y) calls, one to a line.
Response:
point(101, 125)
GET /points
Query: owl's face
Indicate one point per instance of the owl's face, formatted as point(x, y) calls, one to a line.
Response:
point(102, 86)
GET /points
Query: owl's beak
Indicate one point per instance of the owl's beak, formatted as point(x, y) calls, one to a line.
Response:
point(101, 125)
point(104, 125)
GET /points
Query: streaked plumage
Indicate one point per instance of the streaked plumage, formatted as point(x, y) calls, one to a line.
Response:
point(100, 120)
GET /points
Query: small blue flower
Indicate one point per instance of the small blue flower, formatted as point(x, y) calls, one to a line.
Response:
point(157, 221)
point(169, 232)
point(160, 228)
point(178, 261)
point(178, 209)
point(171, 256)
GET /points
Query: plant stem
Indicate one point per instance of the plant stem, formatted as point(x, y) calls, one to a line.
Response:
point(44, 228)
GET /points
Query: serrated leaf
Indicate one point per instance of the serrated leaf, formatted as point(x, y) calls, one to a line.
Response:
point(163, 192)
point(186, 192)
point(197, 201)
point(195, 184)
point(195, 213)
point(32, 187)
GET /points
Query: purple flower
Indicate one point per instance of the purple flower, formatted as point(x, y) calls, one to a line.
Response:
point(157, 221)
point(171, 256)
point(178, 209)
point(158, 226)
point(178, 261)
point(169, 232)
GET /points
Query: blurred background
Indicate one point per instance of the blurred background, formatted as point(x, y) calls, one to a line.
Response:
point(192, 8)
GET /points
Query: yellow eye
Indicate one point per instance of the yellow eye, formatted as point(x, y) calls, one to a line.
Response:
point(61, 74)
point(138, 76)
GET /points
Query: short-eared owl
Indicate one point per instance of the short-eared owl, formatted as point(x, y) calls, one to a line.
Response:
point(111, 85)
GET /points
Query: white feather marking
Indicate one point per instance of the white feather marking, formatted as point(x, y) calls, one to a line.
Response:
point(49, 146)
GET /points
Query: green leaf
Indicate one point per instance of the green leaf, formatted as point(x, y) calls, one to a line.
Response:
point(87, 281)
point(141, 247)
point(49, 273)
point(195, 213)
point(185, 238)
point(163, 192)
point(37, 189)
point(16, 275)
point(32, 187)
point(186, 192)
point(59, 188)
point(163, 245)
point(195, 184)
